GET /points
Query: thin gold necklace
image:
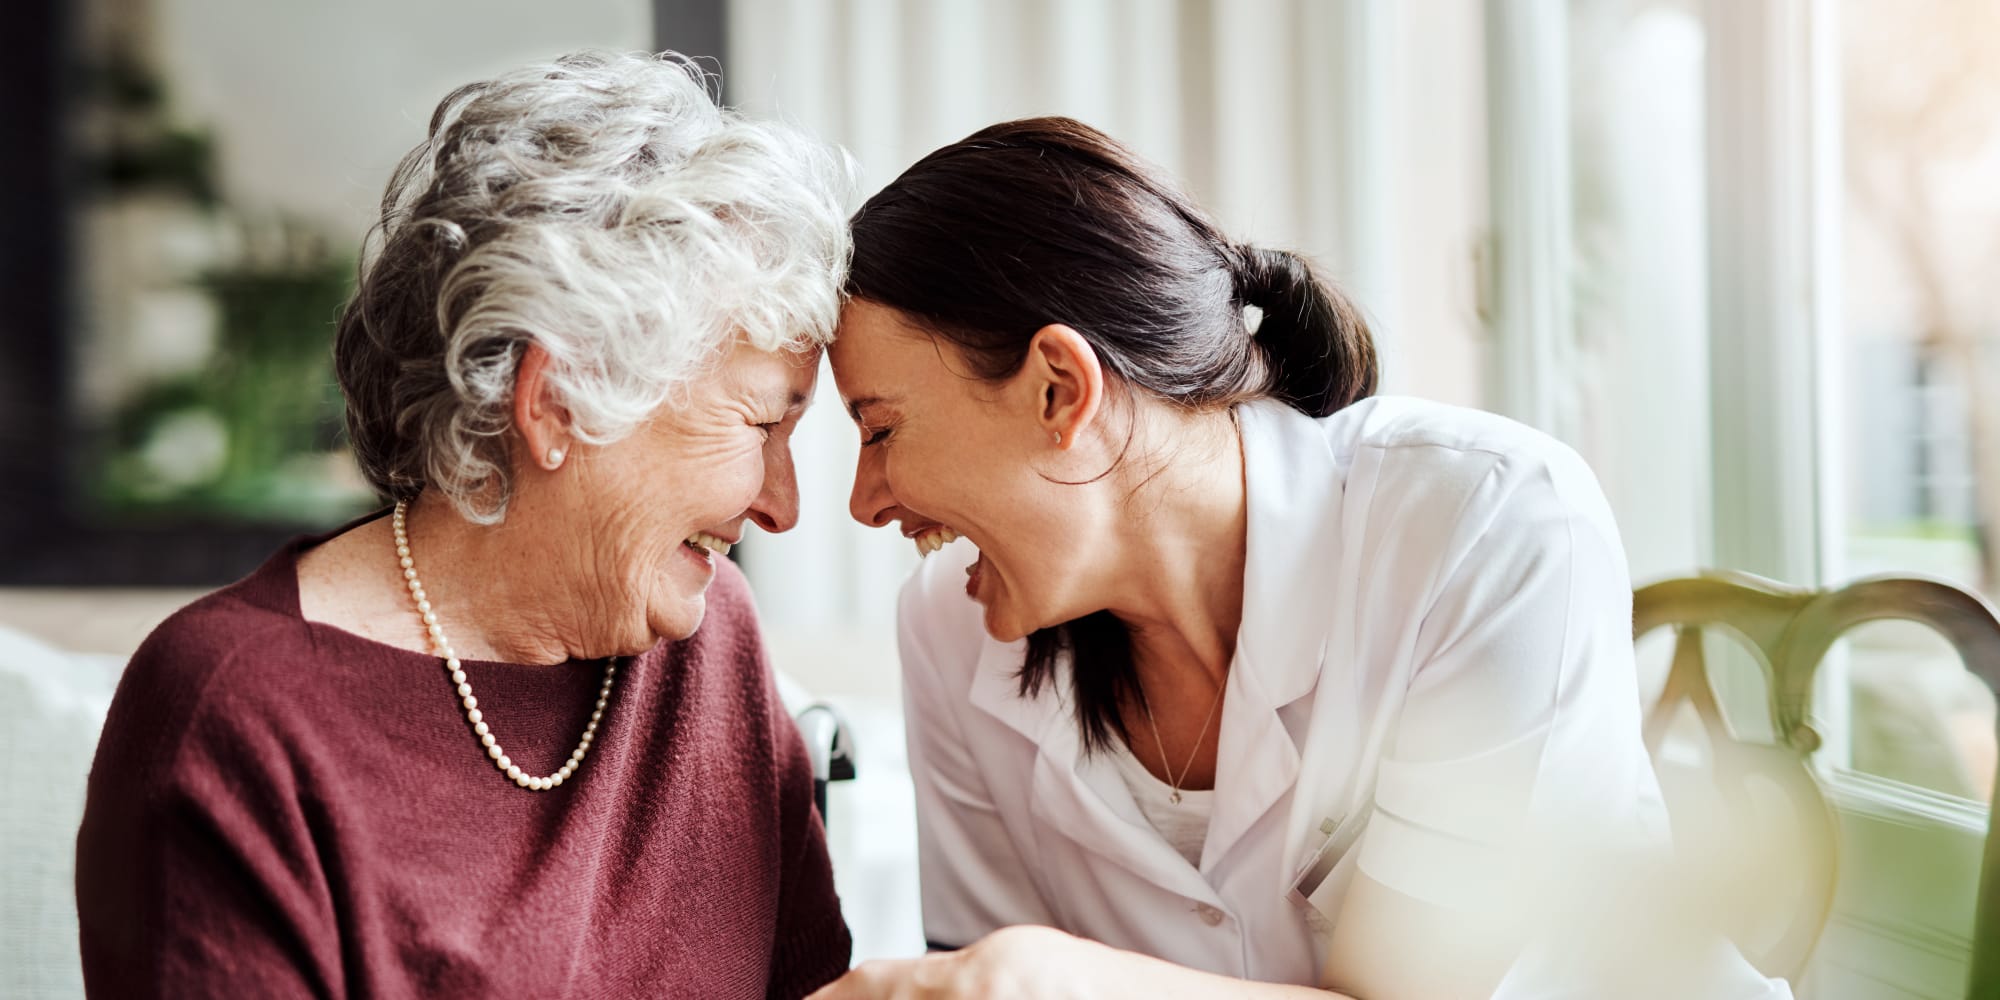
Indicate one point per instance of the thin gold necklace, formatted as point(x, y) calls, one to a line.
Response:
point(1175, 797)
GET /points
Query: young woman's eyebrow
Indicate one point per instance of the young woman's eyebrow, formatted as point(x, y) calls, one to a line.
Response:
point(855, 406)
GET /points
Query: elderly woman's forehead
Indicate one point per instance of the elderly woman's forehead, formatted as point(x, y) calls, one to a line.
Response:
point(783, 378)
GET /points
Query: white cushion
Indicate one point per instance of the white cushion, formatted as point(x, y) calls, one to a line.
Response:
point(52, 705)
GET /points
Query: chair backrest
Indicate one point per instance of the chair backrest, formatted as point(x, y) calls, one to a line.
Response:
point(1789, 630)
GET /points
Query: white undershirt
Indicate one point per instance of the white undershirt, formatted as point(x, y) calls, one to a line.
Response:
point(1183, 826)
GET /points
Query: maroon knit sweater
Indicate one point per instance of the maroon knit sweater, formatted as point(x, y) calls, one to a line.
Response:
point(283, 808)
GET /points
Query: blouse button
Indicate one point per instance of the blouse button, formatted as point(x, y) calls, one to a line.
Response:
point(1209, 914)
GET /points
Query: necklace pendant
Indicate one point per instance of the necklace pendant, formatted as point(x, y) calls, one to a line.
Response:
point(1175, 798)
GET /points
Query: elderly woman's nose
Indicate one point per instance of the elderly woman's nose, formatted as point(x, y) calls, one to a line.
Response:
point(871, 503)
point(776, 508)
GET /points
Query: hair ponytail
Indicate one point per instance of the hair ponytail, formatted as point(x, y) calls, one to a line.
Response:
point(1315, 342)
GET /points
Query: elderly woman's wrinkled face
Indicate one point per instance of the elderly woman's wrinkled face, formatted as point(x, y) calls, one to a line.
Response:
point(663, 504)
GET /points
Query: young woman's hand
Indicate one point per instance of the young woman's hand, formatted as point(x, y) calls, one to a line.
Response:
point(1042, 963)
point(1023, 961)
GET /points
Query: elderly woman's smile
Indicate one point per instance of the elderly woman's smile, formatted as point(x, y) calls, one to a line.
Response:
point(630, 528)
point(671, 499)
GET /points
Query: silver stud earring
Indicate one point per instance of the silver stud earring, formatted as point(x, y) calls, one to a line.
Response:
point(1058, 436)
point(555, 457)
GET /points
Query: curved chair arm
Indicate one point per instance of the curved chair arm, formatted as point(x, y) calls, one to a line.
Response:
point(830, 743)
point(1790, 630)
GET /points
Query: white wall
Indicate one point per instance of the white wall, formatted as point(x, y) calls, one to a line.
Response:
point(313, 103)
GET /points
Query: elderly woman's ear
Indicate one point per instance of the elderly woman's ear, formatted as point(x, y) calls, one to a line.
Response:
point(541, 421)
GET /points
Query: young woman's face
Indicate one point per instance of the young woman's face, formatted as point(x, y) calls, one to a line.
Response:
point(944, 453)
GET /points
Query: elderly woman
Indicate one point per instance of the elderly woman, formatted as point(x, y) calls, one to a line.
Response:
point(517, 735)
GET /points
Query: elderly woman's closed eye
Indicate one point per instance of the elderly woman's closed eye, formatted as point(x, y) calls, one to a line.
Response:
point(514, 734)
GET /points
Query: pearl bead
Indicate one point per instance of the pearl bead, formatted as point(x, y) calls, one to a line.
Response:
point(521, 780)
point(473, 716)
point(471, 703)
point(436, 632)
point(493, 750)
point(424, 605)
point(458, 676)
point(557, 778)
point(513, 770)
point(601, 702)
point(465, 690)
point(505, 762)
point(599, 714)
point(430, 619)
point(486, 739)
point(408, 563)
point(481, 728)
point(409, 574)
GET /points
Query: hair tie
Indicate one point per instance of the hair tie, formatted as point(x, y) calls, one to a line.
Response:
point(1259, 273)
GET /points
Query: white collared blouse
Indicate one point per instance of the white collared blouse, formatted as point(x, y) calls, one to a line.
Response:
point(1435, 652)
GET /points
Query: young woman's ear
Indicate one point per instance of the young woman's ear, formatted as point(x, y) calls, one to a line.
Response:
point(1068, 382)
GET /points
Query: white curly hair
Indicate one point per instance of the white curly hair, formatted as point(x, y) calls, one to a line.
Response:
point(606, 208)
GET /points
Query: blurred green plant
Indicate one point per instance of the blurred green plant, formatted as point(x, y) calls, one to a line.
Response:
point(256, 433)
point(135, 145)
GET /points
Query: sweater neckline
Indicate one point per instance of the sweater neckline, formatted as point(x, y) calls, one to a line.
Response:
point(282, 573)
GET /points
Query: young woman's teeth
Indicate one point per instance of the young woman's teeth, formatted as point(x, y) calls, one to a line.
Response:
point(704, 540)
point(935, 539)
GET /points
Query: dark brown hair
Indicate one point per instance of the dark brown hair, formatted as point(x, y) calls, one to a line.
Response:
point(1047, 220)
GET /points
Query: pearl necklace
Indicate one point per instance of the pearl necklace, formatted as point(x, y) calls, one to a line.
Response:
point(444, 651)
